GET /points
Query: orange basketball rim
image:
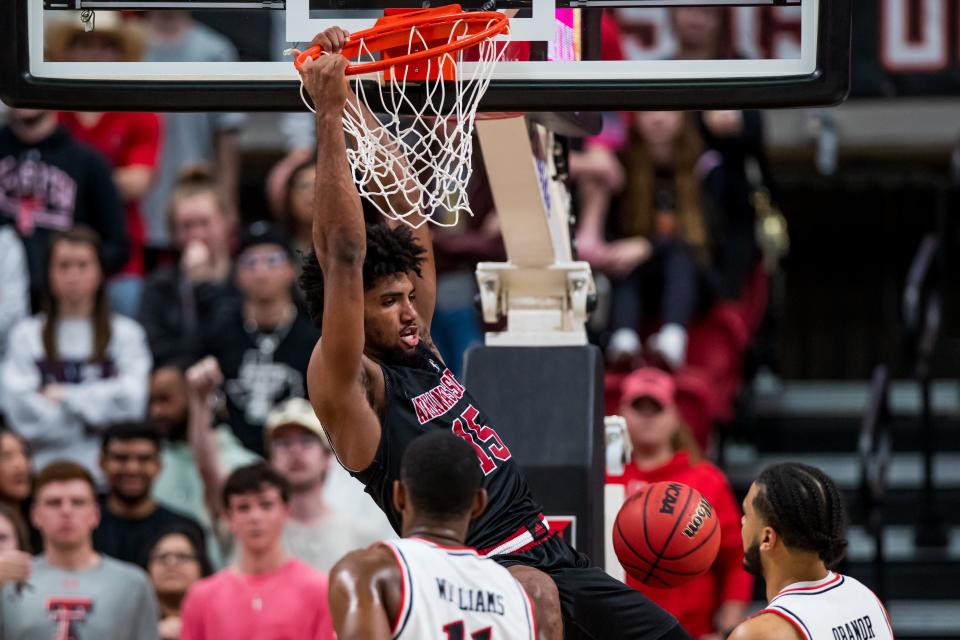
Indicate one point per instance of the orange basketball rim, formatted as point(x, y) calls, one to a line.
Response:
point(406, 37)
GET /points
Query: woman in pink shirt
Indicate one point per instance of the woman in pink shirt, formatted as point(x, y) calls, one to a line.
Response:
point(267, 595)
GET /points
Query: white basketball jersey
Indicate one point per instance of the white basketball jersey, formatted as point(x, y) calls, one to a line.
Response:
point(452, 593)
point(835, 608)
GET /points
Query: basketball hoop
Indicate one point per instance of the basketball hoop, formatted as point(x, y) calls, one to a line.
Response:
point(422, 49)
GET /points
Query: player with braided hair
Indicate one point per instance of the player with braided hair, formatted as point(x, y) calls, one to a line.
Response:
point(804, 504)
point(794, 521)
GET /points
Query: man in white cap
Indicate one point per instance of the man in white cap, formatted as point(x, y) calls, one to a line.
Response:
point(329, 515)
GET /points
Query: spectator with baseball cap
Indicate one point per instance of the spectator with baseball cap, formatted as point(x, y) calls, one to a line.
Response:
point(263, 342)
point(320, 530)
point(663, 448)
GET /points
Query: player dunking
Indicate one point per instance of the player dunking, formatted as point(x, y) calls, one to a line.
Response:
point(793, 531)
point(377, 383)
point(429, 585)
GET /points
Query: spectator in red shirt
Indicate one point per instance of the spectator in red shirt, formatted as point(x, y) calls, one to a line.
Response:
point(129, 141)
point(664, 449)
point(267, 594)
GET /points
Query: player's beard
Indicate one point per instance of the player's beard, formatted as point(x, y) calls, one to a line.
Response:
point(751, 560)
point(392, 354)
point(405, 358)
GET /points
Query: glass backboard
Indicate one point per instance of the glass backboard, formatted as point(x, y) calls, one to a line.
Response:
point(563, 54)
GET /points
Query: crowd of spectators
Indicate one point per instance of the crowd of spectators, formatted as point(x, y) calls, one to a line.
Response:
point(154, 347)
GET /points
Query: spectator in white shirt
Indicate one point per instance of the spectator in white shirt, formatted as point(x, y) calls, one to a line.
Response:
point(75, 369)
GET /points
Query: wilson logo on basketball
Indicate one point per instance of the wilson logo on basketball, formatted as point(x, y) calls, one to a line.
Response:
point(702, 513)
point(670, 497)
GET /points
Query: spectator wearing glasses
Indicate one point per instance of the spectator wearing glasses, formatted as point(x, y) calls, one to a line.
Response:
point(175, 561)
point(318, 532)
point(130, 517)
point(712, 604)
point(263, 344)
point(110, 599)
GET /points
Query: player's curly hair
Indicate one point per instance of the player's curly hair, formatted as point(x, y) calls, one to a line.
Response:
point(804, 506)
point(389, 252)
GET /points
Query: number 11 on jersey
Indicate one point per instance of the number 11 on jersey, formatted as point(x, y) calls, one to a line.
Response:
point(455, 631)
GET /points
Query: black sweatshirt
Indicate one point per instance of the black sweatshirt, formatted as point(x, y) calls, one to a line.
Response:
point(54, 185)
point(175, 312)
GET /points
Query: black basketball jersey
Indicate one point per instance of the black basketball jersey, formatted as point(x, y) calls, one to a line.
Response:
point(428, 396)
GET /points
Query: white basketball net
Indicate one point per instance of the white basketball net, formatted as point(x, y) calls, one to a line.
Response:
point(435, 137)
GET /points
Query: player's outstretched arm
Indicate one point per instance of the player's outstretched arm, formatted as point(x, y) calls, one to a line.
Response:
point(339, 240)
point(401, 175)
point(365, 594)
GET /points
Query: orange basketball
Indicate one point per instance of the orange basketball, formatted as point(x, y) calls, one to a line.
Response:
point(666, 534)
